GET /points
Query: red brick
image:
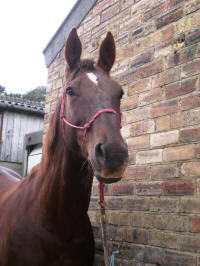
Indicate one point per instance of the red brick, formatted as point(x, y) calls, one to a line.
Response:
point(167, 33)
point(140, 86)
point(128, 52)
point(151, 156)
point(92, 23)
point(166, 77)
point(197, 151)
point(113, 218)
point(114, 204)
point(109, 12)
point(179, 153)
point(163, 108)
point(124, 218)
point(194, 224)
point(179, 188)
point(190, 205)
point(192, 6)
point(190, 102)
point(137, 172)
point(178, 120)
point(52, 96)
point(163, 239)
point(188, 118)
point(131, 155)
point(136, 115)
point(163, 49)
point(122, 16)
point(142, 127)
point(172, 222)
point(129, 103)
point(149, 188)
point(99, 30)
point(191, 169)
point(180, 88)
point(179, 259)
point(190, 244)
point(151, 69)
point(142, 59)
point(100, 6)
point(128, 77)
point(159, 172)
point(138, 33)
point(152, 96)
point(136, 143)
point(164, 138)
point(130, 23)
point(122, 188)
point(125, 131)
point(137, 219)
point(163, 123)
point(136, 204)
point(190, 69)
point(139, 236)
point(168, 205)
point(113, 233)
point(183, 56)
point(169, 17)
point(193, 36)
point(126, 3)
point(121, 39)
point(174, 3)
point(189, 135)
point(155, 10)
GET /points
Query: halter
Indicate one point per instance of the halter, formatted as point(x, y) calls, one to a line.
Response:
point(87, 125)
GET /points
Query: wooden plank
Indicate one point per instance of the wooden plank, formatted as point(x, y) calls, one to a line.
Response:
point(15, 126)
point(7, 142)
point(16, 136)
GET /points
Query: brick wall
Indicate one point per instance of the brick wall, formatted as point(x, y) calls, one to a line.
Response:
point(154, 213)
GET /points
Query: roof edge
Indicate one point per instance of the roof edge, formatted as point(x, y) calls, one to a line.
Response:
point(73, 19)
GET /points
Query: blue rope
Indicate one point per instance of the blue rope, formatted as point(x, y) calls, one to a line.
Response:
point(112, 259)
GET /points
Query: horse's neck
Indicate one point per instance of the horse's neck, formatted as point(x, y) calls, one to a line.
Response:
point(66, 188)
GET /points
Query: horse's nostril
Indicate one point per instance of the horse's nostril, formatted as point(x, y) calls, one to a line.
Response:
point(99, 153)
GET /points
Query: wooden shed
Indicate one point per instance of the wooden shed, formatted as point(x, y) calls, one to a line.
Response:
point(17, 118)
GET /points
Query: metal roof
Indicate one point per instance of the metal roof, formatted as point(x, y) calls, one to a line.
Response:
point(20, 105)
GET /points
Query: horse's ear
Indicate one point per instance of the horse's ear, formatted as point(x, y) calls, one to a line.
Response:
point(107, 53)
point(73, 49)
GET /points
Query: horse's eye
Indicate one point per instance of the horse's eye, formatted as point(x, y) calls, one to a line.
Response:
point(70, 91)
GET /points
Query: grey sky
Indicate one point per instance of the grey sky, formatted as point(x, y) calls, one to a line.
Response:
point(25, 29)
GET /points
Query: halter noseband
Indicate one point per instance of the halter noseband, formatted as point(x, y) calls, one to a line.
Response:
point(87, 125)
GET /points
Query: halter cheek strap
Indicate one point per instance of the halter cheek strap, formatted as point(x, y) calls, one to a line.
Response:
point(87, 125)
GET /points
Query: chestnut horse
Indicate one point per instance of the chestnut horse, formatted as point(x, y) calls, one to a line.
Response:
point(43, 218)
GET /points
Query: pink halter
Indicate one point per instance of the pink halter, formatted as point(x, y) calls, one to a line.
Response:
point(87, 125)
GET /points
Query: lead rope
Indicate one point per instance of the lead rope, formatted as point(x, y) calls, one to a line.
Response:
point(103, 228)
point(103, 222)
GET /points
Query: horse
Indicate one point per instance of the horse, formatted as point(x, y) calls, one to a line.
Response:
point(44, 220)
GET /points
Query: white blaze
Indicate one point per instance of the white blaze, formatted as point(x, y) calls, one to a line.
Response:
point(93, 78)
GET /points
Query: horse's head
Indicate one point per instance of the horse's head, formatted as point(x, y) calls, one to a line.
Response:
point(89, 89)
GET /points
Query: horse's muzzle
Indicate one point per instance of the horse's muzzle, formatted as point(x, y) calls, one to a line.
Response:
point(108, 180)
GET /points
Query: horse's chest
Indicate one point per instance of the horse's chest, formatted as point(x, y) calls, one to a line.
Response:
point(46, 249)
